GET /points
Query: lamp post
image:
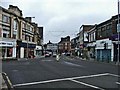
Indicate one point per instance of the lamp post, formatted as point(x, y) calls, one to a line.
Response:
point(118, 31)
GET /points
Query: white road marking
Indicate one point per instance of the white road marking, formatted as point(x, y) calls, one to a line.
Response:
point(89, 85)
point(55, 80)
point(72, 64)
point(96, 75)
point(114, 75)
point(48, 81)
point(47, 60)
point(15, 70)
point(118, 83)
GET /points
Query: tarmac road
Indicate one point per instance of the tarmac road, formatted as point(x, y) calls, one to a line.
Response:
point(66, 73)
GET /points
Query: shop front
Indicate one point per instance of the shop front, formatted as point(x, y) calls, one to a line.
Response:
point(27, 50)
point(104, 50)
point(8, 48)
point(91, 49)
point(38, 51)
point(115, 40)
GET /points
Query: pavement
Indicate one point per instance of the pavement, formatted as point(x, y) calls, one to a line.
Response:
point(93, 60)
point(37, 57)
point(5, 82)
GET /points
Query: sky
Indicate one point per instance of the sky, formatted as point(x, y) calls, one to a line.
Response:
point(61, 18)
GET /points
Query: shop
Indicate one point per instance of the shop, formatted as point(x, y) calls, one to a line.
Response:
point(38, 51)
point(8, 48)
point(91, 49)
point(81, 48)
point(114, 39)
point(104, 50)
point(27, 50)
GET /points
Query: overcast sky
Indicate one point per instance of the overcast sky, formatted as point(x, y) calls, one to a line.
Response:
point(64, 17)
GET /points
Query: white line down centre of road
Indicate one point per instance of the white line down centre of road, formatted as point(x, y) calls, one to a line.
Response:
point(72, 64)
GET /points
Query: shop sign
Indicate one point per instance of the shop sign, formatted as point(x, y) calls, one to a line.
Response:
point(3, 43)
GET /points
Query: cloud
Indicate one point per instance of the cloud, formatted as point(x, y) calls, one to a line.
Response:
point(64, 17)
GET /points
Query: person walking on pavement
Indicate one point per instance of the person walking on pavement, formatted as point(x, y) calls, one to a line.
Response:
point(57, 57)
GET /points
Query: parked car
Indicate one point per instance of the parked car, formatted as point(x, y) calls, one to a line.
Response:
point(67, 54)
point(63, 53)
point(47, 54)
point(54, 54)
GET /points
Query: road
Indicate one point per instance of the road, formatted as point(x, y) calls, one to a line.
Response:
point(65, 73)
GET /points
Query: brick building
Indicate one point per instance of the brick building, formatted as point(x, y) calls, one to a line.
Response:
point(64, 46)
point(83, 40)
point(106, 40)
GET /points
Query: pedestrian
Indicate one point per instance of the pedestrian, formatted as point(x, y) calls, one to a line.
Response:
point(57, 57)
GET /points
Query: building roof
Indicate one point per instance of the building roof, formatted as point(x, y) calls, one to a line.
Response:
point(12, 13)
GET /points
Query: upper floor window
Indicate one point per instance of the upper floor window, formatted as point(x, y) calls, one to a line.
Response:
point(15, 25)
point(28, 27)
point(32, 39)
point(5, 19)
point(31, 29)
point(108, 27)
point(99, 32)
point(94, 36)
point(24, 26)
point(15, 35)
point(5, 33)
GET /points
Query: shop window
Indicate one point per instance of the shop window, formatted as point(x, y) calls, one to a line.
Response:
point(3, 52)
point(9, 52)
